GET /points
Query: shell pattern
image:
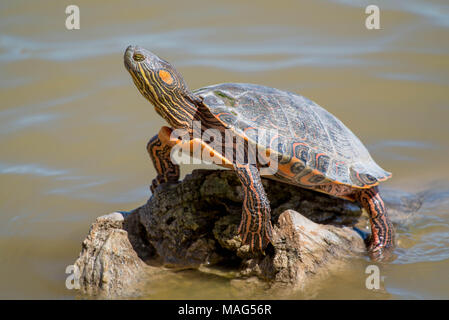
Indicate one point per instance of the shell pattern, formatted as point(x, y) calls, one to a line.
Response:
point(315, 147)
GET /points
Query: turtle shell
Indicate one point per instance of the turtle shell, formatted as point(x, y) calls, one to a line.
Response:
point(308, 137)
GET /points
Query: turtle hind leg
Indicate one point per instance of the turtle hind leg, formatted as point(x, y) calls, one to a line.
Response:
point(382, 241)
point(255, 227)
point(159, 148)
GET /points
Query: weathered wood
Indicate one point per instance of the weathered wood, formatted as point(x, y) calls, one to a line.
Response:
point(193, 224)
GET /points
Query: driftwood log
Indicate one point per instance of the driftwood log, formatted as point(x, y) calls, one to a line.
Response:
point(193, 224)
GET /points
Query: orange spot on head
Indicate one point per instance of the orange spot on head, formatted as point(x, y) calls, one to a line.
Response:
point(165, 76)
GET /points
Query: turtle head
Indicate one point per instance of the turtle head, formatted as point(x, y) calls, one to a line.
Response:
point(159, 82)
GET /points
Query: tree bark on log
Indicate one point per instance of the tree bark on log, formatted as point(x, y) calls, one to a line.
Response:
point(193, 224)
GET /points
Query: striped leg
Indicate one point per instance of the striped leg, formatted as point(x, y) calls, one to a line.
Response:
point(382, 239)
point(159, 150)
point(255, 226)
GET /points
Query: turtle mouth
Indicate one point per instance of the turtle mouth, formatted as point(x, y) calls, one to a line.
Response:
point(130, 63)
point(136, 57)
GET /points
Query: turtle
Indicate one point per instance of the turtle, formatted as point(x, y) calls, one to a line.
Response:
point(312, 149)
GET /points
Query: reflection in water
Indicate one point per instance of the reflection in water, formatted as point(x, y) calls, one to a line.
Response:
point(73, 128)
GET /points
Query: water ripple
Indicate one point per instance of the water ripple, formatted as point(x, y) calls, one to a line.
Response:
point(395, 153)
point(433, 78)
point(291, 46)
point(435, 13)
point(30, 169)
point(429, 229)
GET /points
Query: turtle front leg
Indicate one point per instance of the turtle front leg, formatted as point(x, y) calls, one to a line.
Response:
point(159, 148)
point(382, 241)
point(255, 227)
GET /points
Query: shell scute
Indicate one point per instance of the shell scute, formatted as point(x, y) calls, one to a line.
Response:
point(321, 148)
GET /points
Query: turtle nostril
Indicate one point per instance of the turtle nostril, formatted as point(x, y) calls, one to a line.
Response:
point(138, 57)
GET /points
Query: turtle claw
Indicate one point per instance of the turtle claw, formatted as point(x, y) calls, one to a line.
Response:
point(381, 244)
point(381, 253)
point(254, 241)
point(257, 241)
point(156, 182)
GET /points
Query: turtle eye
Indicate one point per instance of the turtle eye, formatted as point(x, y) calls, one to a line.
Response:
point(138, 57)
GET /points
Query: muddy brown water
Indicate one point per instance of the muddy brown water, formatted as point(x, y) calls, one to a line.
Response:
point(73, 127)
